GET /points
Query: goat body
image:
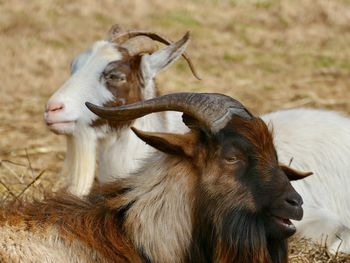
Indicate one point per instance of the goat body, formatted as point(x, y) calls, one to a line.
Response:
point(213, 195)
point(146, 218)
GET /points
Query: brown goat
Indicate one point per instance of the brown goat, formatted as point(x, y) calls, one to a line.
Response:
point(217, 194)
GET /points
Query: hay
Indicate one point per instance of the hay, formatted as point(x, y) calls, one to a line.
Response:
point(269, 54)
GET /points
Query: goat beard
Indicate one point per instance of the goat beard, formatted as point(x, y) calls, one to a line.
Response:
point(240, 237)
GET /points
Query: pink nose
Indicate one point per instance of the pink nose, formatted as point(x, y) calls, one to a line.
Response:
point(54, 107)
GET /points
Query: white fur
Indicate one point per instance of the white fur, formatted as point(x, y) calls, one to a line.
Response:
point(119, 152)
point(122, 152)
point(82, 86)
point(318, 141)
point(81, 159)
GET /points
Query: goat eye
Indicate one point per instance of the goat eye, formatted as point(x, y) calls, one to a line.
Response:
point(116, 77)
point(232, 159)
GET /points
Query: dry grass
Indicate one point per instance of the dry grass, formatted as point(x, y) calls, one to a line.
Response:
point(269, 54)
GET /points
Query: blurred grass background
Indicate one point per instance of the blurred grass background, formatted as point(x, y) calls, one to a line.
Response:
point(269, 54)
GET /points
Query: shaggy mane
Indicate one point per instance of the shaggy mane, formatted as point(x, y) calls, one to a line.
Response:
point(92, 221)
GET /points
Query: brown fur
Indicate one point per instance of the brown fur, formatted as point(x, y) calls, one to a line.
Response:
point(126, 92)
point(91, 222)
point(176, 209)
point(109, 219)
point(258, 134)
point(181, 144)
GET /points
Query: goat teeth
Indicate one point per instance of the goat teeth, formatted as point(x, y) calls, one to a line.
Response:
point(286, 221)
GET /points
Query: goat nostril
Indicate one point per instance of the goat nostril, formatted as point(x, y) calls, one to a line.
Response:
point(54, 107)
point(294, 202)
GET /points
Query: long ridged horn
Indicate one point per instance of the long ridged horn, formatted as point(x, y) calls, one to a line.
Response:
point(121, 37)
point(211, 110)
point(136, 45)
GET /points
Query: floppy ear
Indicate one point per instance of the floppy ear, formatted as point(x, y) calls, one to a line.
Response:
point(294, 175)
point(171, 143)
point(159, 60)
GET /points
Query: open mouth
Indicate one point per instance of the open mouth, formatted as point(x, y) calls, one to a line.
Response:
point(279, 224)
point(284, 223)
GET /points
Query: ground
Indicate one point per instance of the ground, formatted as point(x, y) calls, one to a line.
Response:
point(268, 54)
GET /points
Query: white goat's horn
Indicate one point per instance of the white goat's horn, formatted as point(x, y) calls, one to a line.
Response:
point(139, 45)
point(113, 32)
point(122, 37)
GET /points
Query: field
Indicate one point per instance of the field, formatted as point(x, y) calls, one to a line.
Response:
point(269, 54)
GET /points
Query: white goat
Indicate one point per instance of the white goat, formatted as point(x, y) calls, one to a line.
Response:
point(114, 72)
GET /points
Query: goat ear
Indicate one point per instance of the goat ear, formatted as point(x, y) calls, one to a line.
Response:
point(294, 175)
point(171, 143)
point(152, 64)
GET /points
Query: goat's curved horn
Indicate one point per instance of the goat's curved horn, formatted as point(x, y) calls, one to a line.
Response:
point(122, 37)
point(212, 110)
point(140, 44)
point(114, 31)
